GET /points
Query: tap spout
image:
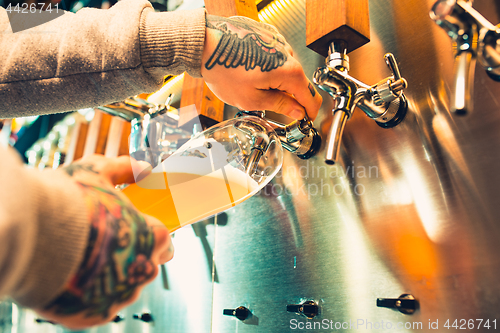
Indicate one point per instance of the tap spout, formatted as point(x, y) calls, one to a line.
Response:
point(335, 136)
point(454, 18)
point(343, 89)
point(465, 63)
point(475, 38)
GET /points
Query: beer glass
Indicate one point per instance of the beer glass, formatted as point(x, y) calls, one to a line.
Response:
point(213, 171)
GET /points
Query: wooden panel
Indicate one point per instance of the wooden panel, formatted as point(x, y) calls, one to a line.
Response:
point(209, 108)
point(124, 139)
point(105, 134)
point(114, 137)
point(229, 8)
point(118, 137)
point(77, 144)
point(92, 134)
point(80, 142)
point(328, 20)
point(102, 137)
point(97, 134)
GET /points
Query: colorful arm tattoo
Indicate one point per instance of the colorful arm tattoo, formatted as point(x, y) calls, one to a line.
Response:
point(245, 43)
point(117, 259)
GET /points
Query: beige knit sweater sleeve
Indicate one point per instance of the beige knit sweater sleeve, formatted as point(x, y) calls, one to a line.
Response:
point(95, 57)
point(90, 58)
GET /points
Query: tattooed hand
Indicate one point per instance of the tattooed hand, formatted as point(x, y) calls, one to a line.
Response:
point(250, 65)
point(123, 252)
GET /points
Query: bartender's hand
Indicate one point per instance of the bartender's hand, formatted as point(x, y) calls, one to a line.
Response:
point(124, 249)
point(249, 65)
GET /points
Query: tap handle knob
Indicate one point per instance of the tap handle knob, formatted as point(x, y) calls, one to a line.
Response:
point(145, 317)
point(309, 309)
point(240, 312)
point(118, 318)
point(393, 65)
point(405, 303)
point(389, 88)
point(398, 83)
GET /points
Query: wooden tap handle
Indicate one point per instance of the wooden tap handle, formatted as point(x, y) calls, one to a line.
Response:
point(329, 20)
point(229, 8)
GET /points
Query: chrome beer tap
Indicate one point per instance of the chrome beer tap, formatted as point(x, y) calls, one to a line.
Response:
point(154, 133)
point(299, 137)
point(475, 38)
point(383, 102)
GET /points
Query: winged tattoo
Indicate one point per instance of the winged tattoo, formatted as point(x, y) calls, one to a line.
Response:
point(258, 47)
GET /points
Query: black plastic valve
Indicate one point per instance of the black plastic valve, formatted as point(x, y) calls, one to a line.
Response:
point(240, 312)
point(145, 317)
point(309, 309)
point(118, 319)
point(406, 303)
point(41, 321)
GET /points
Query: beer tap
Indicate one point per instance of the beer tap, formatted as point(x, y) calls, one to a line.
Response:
point(299, 137)
point(383, 102)
point(475, 38)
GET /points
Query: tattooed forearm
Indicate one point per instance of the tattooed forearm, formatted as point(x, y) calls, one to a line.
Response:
point(76, 167)
point(116, 261)
point(245, 43)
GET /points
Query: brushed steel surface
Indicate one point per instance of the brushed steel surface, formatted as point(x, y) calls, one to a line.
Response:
point(411, 209)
